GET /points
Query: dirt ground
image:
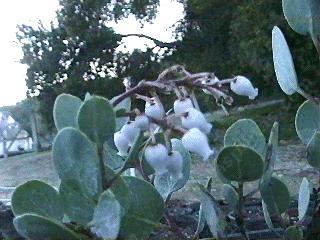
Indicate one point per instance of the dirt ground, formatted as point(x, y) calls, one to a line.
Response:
point(291, 167)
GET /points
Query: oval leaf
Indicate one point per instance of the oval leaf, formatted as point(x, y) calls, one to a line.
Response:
point(304, 198)
point(165, 184)
point(276, 196)
point(293, 233)
point(246, 132)
point(75, 158)
point(37, 197)
point(307, 121)
point(78, 206)
point(107, 217)
point(146, 208)
point(65, 111)
point(302, 15)
point(313, 151)
point(230, 196)
point(283, 63)
point(96, 119)
point(36, 227)
point(212, 213)
point(267, 216)
point(239, 163)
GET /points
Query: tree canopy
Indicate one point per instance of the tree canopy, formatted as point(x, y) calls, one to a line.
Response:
point(79, 53)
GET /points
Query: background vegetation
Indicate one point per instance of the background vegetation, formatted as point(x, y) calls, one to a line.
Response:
point(79, 53)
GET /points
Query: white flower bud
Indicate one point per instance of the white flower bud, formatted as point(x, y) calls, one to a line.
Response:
point(242, 86)
point(154, 110)
point(195, 119)
point(182, 105)
point(209, 82)
point(157, 156)
point(142, 122)
point(196, 141)
point(121, 143)
point(175, 164)
point(130, 132)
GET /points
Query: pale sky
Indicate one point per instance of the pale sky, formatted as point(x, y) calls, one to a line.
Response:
point(13, 12)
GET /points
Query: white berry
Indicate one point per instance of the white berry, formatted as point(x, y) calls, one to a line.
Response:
point(154, 109)
point(130, 131)
point(157, 156)
point(195, 119)
point(242, 86)
point(175, 164)
point(196, 141)
point(142, 122)
point(121, 143)
point(182, 105)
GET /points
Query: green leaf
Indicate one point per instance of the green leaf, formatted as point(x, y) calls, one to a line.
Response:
point(134, 151)
point(307, 121)
point(239, 163)
point(293, 233)
point(246, 132)
point(304, 198)
point(283, 63)
point(111, 158)
point(276, 196)
point(165, 184)
point(124, 105)
point(146, 209)
point(65, 111)
point(36, 227)
point(272, 152)
point(212, 213)
point(120, 190)
point(96, 119)
point(302, 15)
point(78, 205)
point(313, 151)
point(107, 217)
point(37, 197)
point(201, 219)
point(230, 195)
point(75, 158)
point(267, 217)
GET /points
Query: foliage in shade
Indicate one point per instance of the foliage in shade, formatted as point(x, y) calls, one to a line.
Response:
point(77, 204)
point(239, 163)
point(37, 197)
point(293, 233)
point(275, 195)
point(307, 121)
point(212, 213)
point(33, 226)
point(145, 211)
point(313, 150)
point(65, 111)
point(230, 196)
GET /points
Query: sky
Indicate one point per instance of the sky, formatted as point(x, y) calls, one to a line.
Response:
point(14, 12)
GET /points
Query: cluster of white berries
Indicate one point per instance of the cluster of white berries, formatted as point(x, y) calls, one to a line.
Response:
point(192, 119)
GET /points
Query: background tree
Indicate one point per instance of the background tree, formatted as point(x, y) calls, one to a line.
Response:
point(78, 54)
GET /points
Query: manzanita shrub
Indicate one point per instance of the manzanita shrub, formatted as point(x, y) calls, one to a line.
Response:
point(119, 166)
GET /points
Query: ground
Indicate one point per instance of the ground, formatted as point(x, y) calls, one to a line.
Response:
point(291, 165)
